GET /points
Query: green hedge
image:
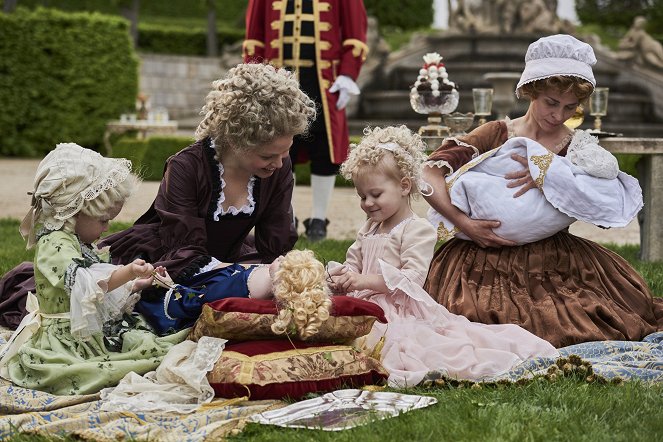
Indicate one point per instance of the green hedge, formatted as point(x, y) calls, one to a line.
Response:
point(171, 39)
point(63, 77)
point(149, 156)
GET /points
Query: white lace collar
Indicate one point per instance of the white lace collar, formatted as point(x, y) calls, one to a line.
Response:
point(232, 210)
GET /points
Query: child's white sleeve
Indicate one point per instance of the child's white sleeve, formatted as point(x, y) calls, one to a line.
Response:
point(92, 304)
point(586, 153)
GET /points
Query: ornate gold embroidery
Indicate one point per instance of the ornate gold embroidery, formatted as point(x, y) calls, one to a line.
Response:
point(359, 47)
point(444, 234)
point(324, 6)
point(543, 163)
point(249, 46)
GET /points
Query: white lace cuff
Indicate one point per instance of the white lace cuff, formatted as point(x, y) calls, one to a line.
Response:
point(91, 305)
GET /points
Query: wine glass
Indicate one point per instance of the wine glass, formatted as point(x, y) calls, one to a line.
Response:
point(483, 103)
point(598, 105)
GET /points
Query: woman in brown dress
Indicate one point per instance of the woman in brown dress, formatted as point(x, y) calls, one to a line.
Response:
point(563, 288)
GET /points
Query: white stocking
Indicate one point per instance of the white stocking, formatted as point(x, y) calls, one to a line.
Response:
point(322, 187)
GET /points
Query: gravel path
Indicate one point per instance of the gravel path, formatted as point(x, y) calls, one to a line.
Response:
point(345, 215)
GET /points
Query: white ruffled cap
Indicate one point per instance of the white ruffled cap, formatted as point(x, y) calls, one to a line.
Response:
point(559, 54)
point(65, 178)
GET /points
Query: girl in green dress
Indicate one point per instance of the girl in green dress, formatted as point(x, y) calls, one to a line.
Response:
point(79, 336)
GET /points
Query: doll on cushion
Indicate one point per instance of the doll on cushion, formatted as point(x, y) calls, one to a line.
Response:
point(295, 280)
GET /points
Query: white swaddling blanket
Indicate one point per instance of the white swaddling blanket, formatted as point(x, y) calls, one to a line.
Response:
point(567, 191)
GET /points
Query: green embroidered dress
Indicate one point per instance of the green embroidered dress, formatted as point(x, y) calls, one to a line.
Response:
point(53, 359)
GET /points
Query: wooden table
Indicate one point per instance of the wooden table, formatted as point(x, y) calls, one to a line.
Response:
point(651, 181)
point(142, 126)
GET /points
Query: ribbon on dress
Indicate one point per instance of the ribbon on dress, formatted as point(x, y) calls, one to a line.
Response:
point(25, 330)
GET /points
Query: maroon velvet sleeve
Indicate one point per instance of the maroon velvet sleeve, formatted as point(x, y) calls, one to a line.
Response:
point(181, 205)
point(275, 232)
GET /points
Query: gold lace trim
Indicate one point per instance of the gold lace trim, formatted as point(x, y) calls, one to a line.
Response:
point(444, 234)
point(543, 163)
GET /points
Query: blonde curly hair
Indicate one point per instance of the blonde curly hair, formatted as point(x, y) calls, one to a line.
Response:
point(253, 105)
point(301, 292)
point(394, 150)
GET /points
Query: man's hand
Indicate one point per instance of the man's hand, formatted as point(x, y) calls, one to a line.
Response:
point(345, 86)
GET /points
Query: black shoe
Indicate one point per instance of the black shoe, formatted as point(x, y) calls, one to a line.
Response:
point(316, 229)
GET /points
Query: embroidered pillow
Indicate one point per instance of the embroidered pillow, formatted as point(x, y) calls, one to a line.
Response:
point(277, 369)
point(242, 319)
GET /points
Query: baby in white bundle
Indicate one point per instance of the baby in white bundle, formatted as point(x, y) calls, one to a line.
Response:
point(584, 185)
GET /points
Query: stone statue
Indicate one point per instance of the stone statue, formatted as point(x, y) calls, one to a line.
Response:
point(637, 45)
point(505, 16)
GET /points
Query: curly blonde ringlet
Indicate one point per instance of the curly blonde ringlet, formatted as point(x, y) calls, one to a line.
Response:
point(253, 105)
point(301, 292)
point(405, 161)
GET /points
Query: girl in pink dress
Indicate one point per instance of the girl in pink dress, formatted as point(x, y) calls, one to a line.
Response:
point(388, 263)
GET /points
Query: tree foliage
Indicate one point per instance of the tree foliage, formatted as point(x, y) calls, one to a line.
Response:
point(403, 14)
point(620, 13)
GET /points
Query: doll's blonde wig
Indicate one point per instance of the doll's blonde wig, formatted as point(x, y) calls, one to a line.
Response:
point(394, 150)
point(301, 293)
point(253, 105)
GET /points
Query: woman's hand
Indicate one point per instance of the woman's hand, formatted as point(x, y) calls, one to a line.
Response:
point(522, 179)
point(481, 232)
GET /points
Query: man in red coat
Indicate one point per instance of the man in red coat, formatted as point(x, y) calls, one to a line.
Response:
point(325, 43)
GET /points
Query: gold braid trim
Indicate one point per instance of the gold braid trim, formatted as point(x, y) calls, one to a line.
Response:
point(470, 164)
point(444, 234)
point(249, 46)
point(543, 163)
point(359, 47)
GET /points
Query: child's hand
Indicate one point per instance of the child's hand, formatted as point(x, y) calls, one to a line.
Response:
point(349, 282)
point(141, 284)
point(141, 269)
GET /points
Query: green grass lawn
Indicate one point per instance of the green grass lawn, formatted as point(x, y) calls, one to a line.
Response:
point(566, 409)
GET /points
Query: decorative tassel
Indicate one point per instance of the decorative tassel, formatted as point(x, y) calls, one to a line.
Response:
point(376, 353)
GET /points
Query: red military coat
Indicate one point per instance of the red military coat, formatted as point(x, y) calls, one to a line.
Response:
point(340, 49)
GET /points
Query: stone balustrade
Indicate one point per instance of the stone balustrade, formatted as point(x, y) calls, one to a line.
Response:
point(651, 181)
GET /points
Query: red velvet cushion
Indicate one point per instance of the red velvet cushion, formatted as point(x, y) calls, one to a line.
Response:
point(242, 319)
point(270, 369)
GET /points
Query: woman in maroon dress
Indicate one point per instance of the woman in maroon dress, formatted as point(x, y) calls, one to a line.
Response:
point(234, 179)
point(562, 288)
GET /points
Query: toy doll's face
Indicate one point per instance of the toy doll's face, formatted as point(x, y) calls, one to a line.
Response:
point(265, 159)
point(89, 228)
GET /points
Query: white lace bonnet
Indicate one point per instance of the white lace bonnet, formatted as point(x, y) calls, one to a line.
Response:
point(65, 178)
point(559, 54)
